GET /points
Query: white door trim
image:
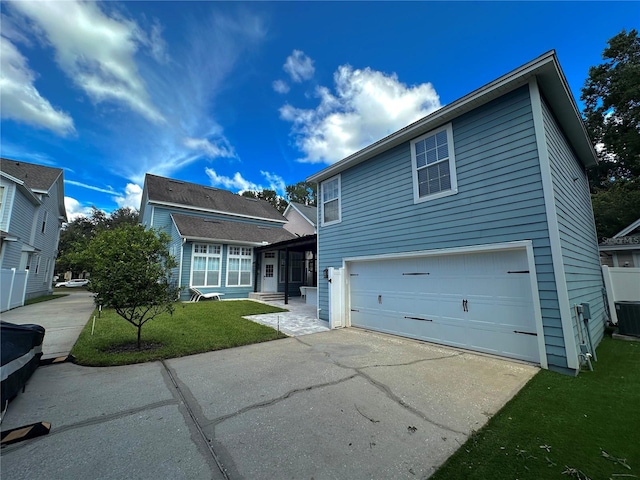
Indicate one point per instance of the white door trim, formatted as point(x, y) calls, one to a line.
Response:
point(263, 272)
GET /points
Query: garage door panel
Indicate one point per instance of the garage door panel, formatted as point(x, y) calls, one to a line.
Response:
point(423, 298)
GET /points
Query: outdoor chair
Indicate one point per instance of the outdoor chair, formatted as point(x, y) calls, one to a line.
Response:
point(196, 295)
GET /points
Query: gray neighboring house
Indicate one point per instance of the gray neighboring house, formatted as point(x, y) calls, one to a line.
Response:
point(623, 249)
point(31, 214)
point(214, 235)
point(471, 227)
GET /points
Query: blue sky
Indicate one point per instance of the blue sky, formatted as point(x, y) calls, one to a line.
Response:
point(255, 95)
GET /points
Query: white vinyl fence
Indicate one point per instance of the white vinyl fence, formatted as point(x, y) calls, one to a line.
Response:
point(13, 287)
point(622, 284)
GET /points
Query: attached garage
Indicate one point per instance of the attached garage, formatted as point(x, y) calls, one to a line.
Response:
point(481, 300)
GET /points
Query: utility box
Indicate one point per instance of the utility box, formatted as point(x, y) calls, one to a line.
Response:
point(628, 318)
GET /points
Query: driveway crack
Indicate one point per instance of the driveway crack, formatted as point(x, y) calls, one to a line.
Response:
point(273, 401)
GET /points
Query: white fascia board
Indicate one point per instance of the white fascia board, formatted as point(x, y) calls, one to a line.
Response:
point(553, 81)
point(218, 212)
point(566, 317)
point(627, 230)
point(23, 188)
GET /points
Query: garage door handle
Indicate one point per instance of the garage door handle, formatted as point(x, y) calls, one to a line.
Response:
point(418, 318)
point(526, 333)
point(465, 305)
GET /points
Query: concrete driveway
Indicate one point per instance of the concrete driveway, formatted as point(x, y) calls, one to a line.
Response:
point(334, 405)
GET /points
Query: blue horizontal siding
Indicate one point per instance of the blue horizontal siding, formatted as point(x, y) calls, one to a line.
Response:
point(578, 238)
point(499, 199)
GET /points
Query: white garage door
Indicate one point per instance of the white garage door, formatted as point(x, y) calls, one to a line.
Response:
point(479, 301)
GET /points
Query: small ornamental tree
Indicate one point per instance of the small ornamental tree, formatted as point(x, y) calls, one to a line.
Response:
point(131, 273)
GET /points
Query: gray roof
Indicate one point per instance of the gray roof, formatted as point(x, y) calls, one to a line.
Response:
point(311, 213)
point(195, 227)
point(35, 177)
point(177, 192)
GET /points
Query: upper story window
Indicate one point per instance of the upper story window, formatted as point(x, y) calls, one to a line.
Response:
point(239, 261)
point(44, 221)
point(434, 165)
point(205, 265)
point(331, 209)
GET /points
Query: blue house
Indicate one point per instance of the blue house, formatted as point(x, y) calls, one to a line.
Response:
point(31, 214)
point(216, 235)
point(471, 227)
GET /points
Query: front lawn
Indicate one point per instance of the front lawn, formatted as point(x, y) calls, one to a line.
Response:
point(193, 328)
point(584, 427)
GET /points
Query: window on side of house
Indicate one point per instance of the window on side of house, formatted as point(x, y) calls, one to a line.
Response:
point(205, 265)
point(44, 221)
point(434, 165)
point(331, 208)
point(239, 260)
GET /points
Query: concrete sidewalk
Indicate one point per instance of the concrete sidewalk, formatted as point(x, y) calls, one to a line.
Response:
point(63, 320)
point(340, 404)
point(301, 318)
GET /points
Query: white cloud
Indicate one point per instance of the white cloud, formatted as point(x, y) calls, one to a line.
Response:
point(132, 196)
point(95, 50)
point(281, 86)
point(240, 184)
point(211, 150)
point(299, 66)
point(367, 106)
point(19, 97)
point(75, 209)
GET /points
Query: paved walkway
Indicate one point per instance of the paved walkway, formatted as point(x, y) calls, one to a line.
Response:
point(299, 320)
point(63, 320)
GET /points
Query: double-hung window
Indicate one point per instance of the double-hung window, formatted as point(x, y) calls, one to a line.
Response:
point(239, 261)
point(434, 165)
point(331, 201)
point(205, 265)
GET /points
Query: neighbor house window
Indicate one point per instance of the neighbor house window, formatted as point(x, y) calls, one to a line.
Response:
point(205, 265)
point(239, 266)
point(331, 201)
point(434, 168)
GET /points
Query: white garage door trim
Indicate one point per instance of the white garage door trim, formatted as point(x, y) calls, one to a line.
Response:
point(525, 245)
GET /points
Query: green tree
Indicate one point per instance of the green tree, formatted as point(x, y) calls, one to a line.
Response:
point(76, 235)
point(270, 196)
point(305, 193)
point(611, 95)
point(616, 207)
point(131, 273)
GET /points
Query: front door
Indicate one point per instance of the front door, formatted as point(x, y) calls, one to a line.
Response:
point(269, 273)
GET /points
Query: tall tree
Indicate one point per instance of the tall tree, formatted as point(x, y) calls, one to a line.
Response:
point(305, 193)
point(76, 235)
point(270, 196)
point(131, 273)
point(611, 95)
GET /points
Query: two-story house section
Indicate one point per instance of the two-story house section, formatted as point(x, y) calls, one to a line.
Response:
point(31, 214)
point(214, 233)
point(471, 227)
point(301, 219)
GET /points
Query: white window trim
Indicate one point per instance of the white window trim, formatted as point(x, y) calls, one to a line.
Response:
point(229, 256)
point(207, 255)
point(322, 202)
point(452, 166)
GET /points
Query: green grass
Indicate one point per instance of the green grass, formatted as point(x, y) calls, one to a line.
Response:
point(193, 328)
point(44, 298)
point(557, 423)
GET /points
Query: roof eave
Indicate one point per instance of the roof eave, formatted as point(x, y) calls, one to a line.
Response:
point(218, 212)
point(628, 229)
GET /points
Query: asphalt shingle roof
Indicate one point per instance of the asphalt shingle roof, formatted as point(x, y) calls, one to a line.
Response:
point(161, 189)
point(308, 211)
point(192, 226)
point(35, 177)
